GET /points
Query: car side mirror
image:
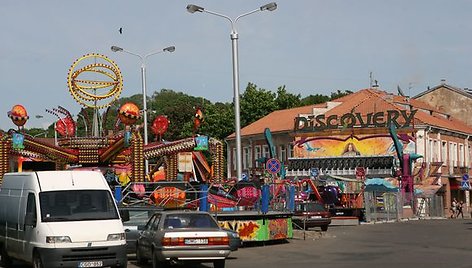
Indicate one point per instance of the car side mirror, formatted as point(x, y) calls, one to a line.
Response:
point(124, 214)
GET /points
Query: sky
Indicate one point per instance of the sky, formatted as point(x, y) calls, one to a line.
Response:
point(310, 46)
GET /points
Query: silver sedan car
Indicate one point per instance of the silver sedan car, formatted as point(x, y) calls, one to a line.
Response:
point(178, 236)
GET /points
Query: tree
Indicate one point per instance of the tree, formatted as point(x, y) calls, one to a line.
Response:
point(338, 94)
point(179, 109)
point(255, 104)
point(219, 120)
point(314, 99)
point(285, 100)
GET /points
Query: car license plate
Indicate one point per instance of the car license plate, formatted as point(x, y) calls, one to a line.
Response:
point(90, 264)
point(196, 241)
point(315, 217)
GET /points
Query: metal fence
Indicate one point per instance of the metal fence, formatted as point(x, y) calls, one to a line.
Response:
point(392, 206)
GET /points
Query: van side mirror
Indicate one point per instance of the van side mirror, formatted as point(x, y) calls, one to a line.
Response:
point(124, 214)
point(30, 219)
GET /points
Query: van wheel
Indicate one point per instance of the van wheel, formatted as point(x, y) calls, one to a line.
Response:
point(324, 228)
point(219, 264)
point(5, 260)
point(37, 263)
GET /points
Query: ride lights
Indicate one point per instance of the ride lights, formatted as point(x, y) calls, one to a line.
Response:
point(58, 239)
point(116, 237)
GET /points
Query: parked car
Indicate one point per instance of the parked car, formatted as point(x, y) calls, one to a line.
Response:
point(234, 240)
point(177, 236)
point(311, 214)
point(134, 219)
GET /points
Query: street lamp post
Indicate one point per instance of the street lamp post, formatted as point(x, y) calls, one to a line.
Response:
point(234, 42)
point(143, 84)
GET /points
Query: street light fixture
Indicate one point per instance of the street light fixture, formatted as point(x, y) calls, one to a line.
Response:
point(234, 41)
point(143, 84)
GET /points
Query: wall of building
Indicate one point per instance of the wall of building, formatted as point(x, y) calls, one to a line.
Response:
point(451, 102)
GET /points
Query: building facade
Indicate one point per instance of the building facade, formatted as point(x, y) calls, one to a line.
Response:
point(342, 135)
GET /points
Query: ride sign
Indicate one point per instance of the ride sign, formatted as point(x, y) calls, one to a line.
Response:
point(273, 165)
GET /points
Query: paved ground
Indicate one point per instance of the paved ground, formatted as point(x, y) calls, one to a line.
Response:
point(419, 243)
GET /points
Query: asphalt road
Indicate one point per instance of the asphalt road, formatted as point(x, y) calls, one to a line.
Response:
point(420, 243)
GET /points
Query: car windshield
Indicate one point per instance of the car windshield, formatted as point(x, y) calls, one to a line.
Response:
point(77, 205)
point(189, 220)
point(310, 207)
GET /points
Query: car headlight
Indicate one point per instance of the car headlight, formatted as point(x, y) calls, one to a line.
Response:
point(58, 239)
point(116, 237)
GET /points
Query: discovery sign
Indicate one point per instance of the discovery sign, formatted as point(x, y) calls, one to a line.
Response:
point(401, 119)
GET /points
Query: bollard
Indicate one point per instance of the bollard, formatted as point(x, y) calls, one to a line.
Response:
point(118, 194)
point(204, 197)
point(265, 199)
point(291, 198)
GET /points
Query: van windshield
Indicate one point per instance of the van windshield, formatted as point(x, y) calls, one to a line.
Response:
point(77, 205)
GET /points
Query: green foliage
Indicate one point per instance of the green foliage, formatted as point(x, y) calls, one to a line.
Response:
point(219, 120)
point(255, 104)
point(179, 108)
point(338, 94)
point(285, 100)
point(314, 99)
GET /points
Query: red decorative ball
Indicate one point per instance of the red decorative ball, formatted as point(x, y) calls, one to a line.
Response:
point(160, 125)
point(129, 113)
point(18, 115)
point(65, 127)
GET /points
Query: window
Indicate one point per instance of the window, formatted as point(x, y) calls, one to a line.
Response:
point(31, 207)
point(265, 151)
point(461, 155)
point(435, 151)
point(257, 154)
point(247, 161)
point(444, 152)
point(283, 153)
point(290, 150)
point(429, 155)
point(452, 154)
point(455, 154)
point(66, 205)
point(233, 159)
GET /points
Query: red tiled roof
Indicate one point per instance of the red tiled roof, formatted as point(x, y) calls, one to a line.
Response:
point(364, 101)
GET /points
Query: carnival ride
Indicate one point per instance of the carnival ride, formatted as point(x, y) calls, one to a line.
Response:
point(180, 174)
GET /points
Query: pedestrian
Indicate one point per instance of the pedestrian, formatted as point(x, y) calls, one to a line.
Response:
point(453, 208)
point(460, 211)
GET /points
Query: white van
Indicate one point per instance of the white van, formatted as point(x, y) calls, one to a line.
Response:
point(60, 219)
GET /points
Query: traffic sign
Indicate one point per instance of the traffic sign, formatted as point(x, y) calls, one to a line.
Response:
point(273, 165)
point(465, 185)
point(244, 176)
point(314, 172)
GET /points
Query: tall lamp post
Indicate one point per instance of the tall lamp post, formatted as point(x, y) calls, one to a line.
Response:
point(143, 84)
point(234, 41)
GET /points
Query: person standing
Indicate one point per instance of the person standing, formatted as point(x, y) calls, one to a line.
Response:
point(460, 208)
point(454, 208)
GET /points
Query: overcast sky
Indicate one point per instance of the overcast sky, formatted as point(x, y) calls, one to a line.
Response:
point(310, 46)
